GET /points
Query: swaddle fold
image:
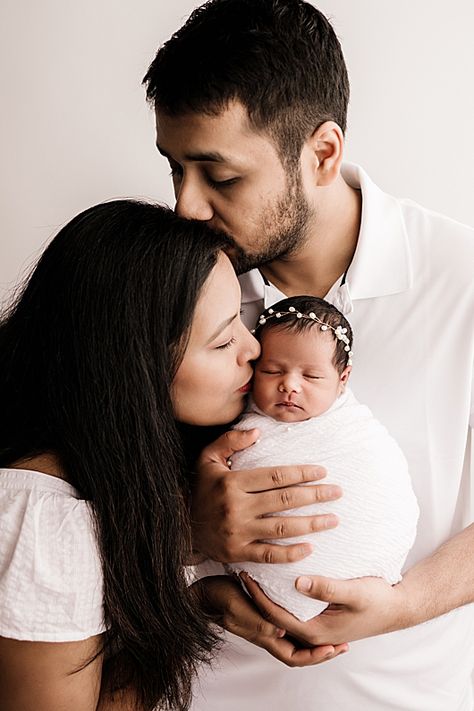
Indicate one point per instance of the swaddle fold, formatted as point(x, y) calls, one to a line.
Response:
point(378, 511)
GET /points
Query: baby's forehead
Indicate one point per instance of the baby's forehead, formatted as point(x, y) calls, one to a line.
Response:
point(292, 343)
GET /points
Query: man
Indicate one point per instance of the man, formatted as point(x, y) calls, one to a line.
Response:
point(251, 100)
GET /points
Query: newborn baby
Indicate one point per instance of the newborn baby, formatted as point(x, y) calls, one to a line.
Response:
point(307, 415)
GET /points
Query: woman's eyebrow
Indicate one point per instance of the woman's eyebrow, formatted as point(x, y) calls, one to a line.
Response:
point(223, 325)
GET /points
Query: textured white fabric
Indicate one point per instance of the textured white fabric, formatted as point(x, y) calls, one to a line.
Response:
point(377, 514)
point(50, 573)
point(410, 295)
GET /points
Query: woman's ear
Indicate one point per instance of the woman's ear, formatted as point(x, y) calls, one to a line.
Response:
point(326, 146)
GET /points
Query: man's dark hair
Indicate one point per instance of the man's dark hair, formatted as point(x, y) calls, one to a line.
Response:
point(322, 309)
point(87, 358)
point(280, 58)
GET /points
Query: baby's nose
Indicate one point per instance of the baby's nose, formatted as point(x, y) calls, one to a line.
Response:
point(290, 385)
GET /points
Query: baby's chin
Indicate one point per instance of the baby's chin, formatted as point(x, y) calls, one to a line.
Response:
point(283, 413)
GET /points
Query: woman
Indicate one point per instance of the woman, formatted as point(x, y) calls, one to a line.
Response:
point(92, 380)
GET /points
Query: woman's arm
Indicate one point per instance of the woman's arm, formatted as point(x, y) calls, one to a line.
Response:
point(36, 676)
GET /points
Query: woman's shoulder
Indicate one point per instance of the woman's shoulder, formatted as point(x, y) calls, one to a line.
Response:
point(50, 572)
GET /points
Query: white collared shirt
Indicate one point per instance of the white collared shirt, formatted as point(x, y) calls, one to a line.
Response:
point(409, 296)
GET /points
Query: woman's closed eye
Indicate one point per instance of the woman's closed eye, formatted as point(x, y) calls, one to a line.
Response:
point(228, 344)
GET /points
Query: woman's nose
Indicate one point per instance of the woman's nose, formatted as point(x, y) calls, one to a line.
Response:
point(251, 349)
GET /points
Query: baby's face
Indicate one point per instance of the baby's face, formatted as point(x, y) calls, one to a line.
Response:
point(295, 378)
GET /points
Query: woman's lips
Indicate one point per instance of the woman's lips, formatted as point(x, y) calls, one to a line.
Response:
point(246, 388)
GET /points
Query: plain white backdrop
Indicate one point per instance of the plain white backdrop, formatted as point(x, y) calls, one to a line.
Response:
point(75, 129)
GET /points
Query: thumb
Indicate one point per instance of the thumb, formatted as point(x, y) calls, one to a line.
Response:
point(338, 592)
point(230, 442)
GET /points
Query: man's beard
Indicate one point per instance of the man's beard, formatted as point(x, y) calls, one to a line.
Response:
point(284, 227)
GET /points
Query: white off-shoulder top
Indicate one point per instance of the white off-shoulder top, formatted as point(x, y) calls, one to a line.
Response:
point(50, 571)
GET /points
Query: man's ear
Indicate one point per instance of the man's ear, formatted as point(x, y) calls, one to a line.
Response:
point(326, 145)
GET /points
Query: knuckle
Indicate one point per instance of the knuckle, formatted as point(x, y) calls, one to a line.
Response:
point(259, 632)
point(262, 628)
point(319, 496)
point(285, 497)
point(278, 477)
point(329, 589)
point(317, 524)
point(228, 514)
point(229, 548)
point(280, 528)
point(228, 437)
point(224, 486)
point(268, 556)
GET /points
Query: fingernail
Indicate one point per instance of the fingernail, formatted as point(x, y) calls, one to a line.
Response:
point(280, 632)
point(331, 521)
point(303, 584)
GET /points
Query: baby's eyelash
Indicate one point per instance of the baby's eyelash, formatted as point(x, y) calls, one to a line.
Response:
point(226, 345)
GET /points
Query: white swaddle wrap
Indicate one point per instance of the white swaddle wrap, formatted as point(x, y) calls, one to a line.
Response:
point(377, 514)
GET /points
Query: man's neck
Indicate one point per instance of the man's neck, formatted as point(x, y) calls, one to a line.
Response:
point(329, 249)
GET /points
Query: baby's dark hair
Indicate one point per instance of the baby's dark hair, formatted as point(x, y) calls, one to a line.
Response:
point(284, 315)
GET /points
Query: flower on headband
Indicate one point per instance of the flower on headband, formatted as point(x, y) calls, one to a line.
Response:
point(339, 331)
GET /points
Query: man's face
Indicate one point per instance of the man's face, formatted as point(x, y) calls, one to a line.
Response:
point(229, 175)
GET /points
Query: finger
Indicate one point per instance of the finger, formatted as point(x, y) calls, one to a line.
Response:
point(274, 553)
point(266, 478)
point(286, 652)
point(289, 526)
point(276, 615)
point(327, 589)
point(243, 619)
point(292, 497)
point(232, 441)
point(314, 655)
point(271, 612)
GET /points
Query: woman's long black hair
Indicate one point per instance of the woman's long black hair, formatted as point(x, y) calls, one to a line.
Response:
point(87, 357)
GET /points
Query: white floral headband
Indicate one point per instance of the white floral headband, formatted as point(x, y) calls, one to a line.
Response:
point(339, 331)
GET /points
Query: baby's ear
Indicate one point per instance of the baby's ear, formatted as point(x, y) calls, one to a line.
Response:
point(345, 375)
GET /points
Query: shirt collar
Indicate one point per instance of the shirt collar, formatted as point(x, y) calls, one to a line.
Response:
point(381, 264)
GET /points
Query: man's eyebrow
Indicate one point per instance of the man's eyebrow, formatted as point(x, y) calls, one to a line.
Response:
point(209, 156)
point(219, 330)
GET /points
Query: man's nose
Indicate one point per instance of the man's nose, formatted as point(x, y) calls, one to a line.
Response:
point(191, 202)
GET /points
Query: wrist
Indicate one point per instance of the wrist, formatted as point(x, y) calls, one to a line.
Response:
point(405, 611)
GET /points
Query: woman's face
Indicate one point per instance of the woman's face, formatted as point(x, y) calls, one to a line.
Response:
point(214, 376)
